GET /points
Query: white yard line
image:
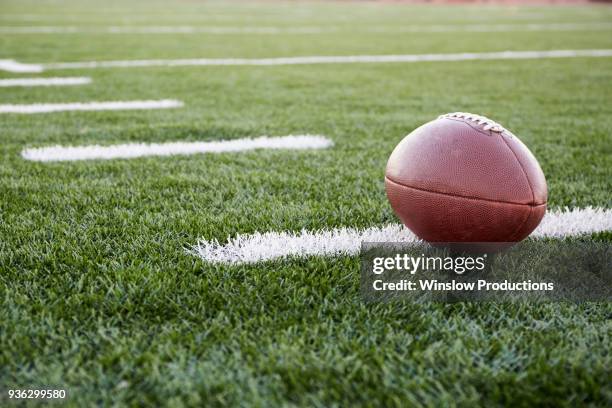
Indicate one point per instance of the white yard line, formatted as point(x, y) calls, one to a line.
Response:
point(26, 82)
point(251, 248)
point(219, 30)
point(134, 150)
point(90, 106)
point(14, 66)
point(274, 30)
point(485, 13)
point(344, 59)
point(494, 28)
point(43, 30)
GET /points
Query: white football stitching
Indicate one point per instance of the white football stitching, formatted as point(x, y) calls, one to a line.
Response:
point(480, 120)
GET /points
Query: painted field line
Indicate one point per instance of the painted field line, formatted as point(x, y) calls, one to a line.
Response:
point(494, 28)
point(134, 150)
point(349, 59)
point(267, 246)
point(26, 82)
point(90, 106)
point(342, 59)
point(14, 66)
point(271, 30)
point(164, 30)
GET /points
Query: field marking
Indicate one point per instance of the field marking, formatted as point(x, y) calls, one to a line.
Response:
point(257, 247)
point(26, 82)
point(271, 30)
point(90, 106)
point(220, 30)
point(494, 28)
point(340, 59)
point(134, 150)
point(10, 65)
point(348, 59)
point(477, 13)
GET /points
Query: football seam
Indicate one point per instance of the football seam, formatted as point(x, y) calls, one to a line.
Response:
point(520, 228)
point(522, 169)
point(463, 196)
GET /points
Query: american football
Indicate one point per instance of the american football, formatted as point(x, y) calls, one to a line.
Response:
point(305, 203)
point(465, 178)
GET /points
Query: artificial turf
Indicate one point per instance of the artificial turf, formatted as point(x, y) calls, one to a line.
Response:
point(99, 296)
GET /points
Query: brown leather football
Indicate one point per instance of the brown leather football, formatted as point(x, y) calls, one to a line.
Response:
point(464, 178)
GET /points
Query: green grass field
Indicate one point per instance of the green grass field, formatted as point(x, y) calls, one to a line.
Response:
point(98, 295)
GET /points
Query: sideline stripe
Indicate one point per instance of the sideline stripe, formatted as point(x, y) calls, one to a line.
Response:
point(44, 81)
point(90, 106)
point(133, 150)
point(220, 30)
point(344, 59)
point(347, 241)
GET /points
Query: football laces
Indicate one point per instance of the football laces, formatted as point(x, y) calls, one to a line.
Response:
point(478, 119)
